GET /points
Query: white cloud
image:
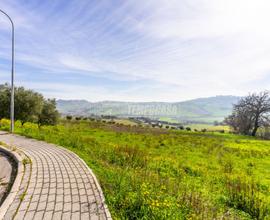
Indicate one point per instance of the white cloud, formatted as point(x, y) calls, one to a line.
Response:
point(183, 49)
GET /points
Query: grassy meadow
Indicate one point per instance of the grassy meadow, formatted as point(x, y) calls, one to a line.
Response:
point(208, 127)
point(160, 174)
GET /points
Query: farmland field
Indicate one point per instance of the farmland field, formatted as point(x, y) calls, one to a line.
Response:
point(159, 174)
point(209, 127)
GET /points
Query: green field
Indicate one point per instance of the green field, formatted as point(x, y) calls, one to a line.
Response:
point(208, 127)
point(160, 174)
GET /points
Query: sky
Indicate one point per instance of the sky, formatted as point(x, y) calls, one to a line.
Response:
point(137, 50)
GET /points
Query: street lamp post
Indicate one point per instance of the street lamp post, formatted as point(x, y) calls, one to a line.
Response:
point(12, 75)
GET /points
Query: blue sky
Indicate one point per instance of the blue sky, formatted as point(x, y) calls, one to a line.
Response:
point(137, 50)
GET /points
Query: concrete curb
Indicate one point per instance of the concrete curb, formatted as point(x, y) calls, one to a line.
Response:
point(16, 184)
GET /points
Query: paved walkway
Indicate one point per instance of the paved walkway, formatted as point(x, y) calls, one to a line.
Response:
point(56, 184)
point(5, 174)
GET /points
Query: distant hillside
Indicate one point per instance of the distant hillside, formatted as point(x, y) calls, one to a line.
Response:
point(201, 110)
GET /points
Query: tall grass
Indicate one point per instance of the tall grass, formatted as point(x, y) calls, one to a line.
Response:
point(246, 196)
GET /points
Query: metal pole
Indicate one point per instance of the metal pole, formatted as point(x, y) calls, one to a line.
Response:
point(12, 75)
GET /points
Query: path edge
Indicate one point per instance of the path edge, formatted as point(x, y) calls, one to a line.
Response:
point(16, 184)
point(106, 209)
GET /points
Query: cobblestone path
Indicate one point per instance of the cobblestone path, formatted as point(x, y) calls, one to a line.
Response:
point(56, 184)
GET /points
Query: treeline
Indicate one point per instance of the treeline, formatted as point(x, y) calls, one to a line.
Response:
point(30, 106)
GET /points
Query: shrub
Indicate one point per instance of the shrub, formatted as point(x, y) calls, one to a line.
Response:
point(69, 117)
point(4, 124)
point(78, 118)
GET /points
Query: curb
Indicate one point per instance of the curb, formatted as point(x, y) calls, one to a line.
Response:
point(16, 184)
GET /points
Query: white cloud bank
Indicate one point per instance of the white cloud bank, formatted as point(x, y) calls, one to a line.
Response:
point(183, 49)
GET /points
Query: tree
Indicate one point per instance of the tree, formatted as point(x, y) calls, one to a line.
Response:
point(250, 113)
point(4, 101)
point(49, 115)
point(69, 117)
point(28, 103)
point(29, 106)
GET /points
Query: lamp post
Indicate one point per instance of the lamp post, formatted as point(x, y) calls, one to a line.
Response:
point(12, 75)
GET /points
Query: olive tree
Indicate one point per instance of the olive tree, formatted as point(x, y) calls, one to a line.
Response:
point(30, 106)
point(28, 103)
point(49, 114)
point(4, 101)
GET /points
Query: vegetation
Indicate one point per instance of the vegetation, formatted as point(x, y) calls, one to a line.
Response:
point(30, 106)
point(166, 174)
point(69, 117)
point(209, 127)
point(250, 114)
point(48, 115)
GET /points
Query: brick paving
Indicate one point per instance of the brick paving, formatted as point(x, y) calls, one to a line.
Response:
point(56, 184)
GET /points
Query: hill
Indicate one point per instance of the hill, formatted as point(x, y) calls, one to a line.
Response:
point(199, 110)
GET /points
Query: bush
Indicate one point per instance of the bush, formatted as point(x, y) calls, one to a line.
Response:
point(78, 118)
point(69, 117)
point(5, 124)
